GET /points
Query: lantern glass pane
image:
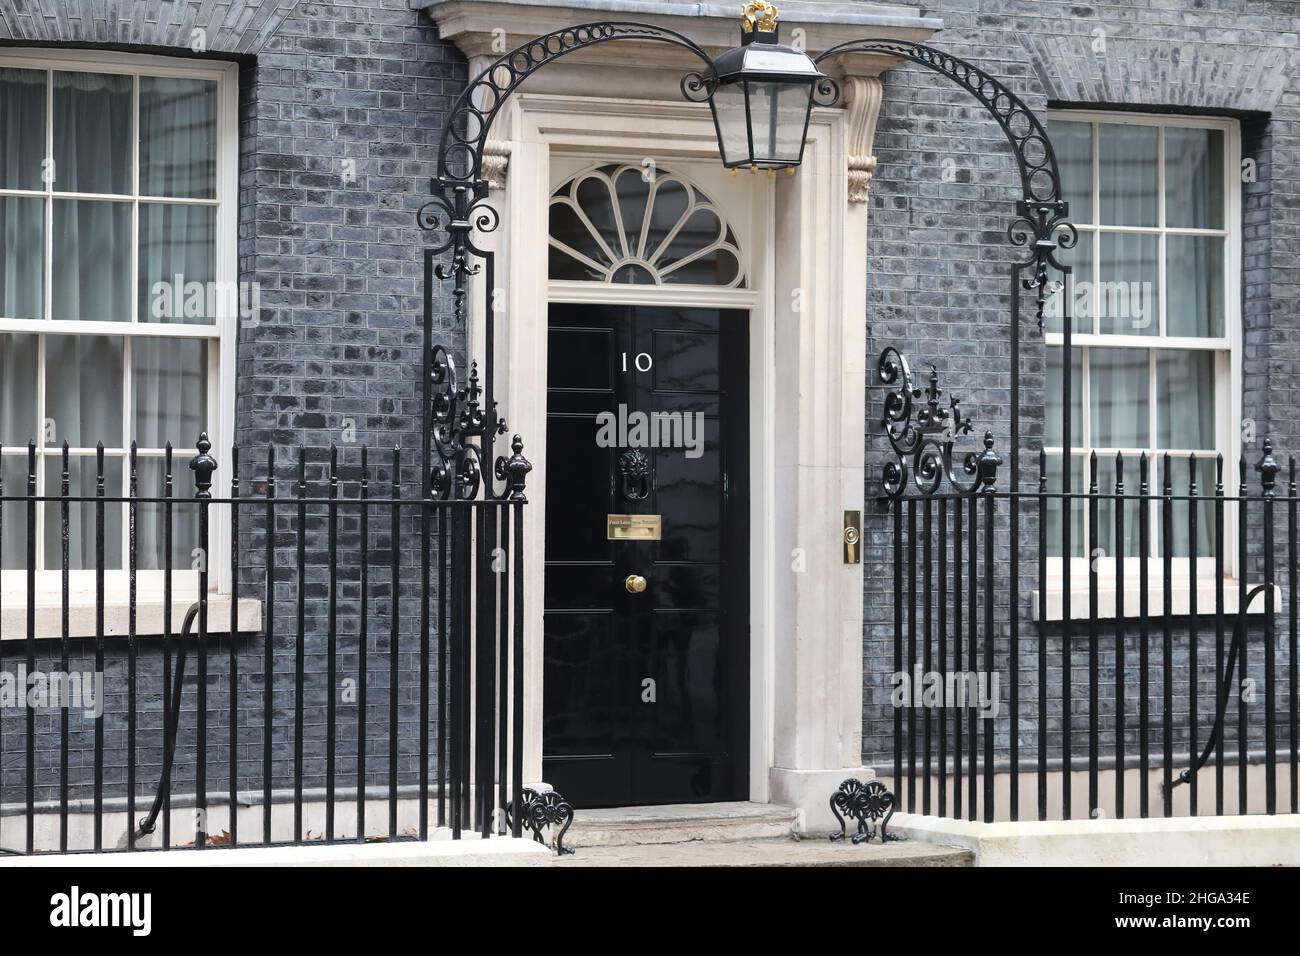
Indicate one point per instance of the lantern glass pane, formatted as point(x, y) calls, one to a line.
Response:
point(733, 125)
point(778, 110)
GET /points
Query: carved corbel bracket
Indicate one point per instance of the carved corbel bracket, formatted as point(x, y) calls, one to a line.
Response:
point(496, 160)
point(862, 97)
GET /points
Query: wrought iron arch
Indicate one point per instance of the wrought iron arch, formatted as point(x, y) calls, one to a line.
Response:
point(461, 424)
point(467, 127)
point(1041, 225)
point(461, 421)
point(1041, 221)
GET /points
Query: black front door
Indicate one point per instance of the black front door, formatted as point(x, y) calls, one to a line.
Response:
point(646, 692)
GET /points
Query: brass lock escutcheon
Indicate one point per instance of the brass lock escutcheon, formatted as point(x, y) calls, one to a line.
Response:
point(634, 583)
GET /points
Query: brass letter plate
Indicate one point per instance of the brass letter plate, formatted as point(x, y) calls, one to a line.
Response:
point(633, 527)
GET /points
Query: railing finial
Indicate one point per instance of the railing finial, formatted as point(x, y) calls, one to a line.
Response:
point(1268, 468)
point(987, 462)
point(514, 470)
point(203, 465)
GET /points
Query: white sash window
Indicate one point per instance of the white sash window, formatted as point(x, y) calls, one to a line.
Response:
point(118, 299)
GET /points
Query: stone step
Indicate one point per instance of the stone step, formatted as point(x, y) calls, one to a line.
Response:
point(772, 852)
point(679, 823)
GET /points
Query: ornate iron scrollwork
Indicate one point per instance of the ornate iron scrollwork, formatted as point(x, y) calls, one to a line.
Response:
point(1041, 220)
point(866, 803)
point(1043, 228)
point(542, 810)
point(466, 130)
point(460, 428)
point(922, 434)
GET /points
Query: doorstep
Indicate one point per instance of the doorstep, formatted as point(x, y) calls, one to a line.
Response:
point(776, 852)
point(680, 823)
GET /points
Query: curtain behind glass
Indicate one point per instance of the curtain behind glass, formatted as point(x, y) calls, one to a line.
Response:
point(169, 404)
point(22, 118)
point(22, 250)
point(178, 135)
point(92, 133)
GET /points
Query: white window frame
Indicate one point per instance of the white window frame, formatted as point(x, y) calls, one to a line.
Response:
point(223, 331)
point(1228, 378)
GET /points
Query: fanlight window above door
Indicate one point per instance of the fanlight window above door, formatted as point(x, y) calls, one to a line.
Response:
point(640, 225)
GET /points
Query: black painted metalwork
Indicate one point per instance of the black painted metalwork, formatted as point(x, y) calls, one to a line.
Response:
point(540, 811)
point(923, 434)
point(1168, 722)
point(866, 803)
point(319, 542)
point(634, 470)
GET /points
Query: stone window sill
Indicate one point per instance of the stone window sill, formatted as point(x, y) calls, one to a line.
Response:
point(1179, 599)
point(148, 616)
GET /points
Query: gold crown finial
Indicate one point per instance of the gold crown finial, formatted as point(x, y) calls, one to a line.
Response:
point(759, 15)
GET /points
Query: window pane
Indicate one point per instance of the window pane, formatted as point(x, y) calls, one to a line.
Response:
point(1054, 427)
point(22, 117)
point(178, 135)
point(18, 367)
point(1180, 478)
point(1185, 399)
point(92, 261)
point(13, 474)
point(597, 202)
point(1128, 175)
point(22, 243)
point(1054, 507)
point(169, 377)
point(82, 474)
point(83, 390)
point(1194, 178)
point(1119, 382)
point(1080, 257)
point(633, 189)
point(1194, 283)
point(672, 198)
point(1073, 145)
point(150, 522)
point(178, 264)
point(702, 229)
point(1126, 295)
point(92, 132)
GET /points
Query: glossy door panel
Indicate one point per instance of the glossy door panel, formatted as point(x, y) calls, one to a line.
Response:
point(646, 695)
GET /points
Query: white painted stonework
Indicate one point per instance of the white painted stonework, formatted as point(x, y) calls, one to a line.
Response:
point(804, 239)
point(1256, 840)
point(439, 851)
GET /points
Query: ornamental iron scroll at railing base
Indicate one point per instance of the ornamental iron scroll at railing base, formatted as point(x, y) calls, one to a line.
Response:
point(866, 803)
point(541, 810)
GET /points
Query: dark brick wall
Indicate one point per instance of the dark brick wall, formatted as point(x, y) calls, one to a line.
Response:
point(341, 108)
point(938, 274)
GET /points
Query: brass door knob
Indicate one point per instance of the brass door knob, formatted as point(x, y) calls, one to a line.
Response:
point(634, 583)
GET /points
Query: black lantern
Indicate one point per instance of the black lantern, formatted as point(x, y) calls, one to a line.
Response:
point(763, 92)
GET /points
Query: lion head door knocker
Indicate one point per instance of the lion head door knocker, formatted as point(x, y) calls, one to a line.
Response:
point(634, 467)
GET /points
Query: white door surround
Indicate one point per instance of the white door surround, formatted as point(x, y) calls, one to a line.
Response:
point(804, 240)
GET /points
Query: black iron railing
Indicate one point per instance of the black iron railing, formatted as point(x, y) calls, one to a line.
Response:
point(1148, 645)
point(371, 689)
